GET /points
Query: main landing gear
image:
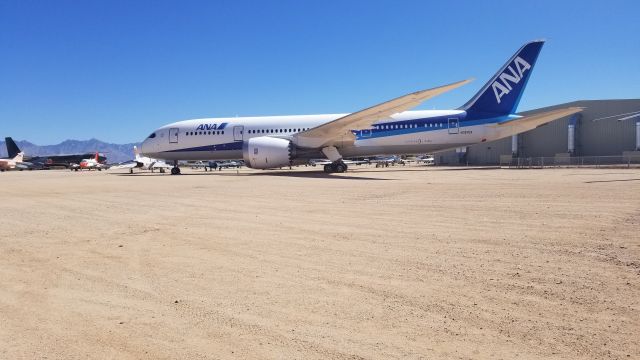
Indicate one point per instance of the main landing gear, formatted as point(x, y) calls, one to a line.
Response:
point(175, 170)
point(338, 167)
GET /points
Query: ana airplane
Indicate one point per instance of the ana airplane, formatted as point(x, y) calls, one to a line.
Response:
point(12, 163)
point(143, 163)
point(387, 128)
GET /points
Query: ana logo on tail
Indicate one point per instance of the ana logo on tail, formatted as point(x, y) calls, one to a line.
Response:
point(502, 86)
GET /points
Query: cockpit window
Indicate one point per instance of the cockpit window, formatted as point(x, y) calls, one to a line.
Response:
point(152, 135)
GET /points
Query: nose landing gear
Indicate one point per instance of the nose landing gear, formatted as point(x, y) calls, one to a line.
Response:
point(175, 170)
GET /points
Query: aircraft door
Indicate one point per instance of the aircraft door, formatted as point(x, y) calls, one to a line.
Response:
point(453, 126)
point(237, 133)
point(173, 135)
point(365, 133)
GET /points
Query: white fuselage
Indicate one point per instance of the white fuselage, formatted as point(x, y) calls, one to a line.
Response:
point(410, 132)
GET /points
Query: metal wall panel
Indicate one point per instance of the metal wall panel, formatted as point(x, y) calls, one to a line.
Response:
point(593, 138)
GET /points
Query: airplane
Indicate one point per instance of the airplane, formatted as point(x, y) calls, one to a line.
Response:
point(215, 165)
point(13, 163)
point(384, 129)
point(385, 161)
point(48, 161)
point(225, 164)
point(89, 164)
point(426, 159)
point(143, 163)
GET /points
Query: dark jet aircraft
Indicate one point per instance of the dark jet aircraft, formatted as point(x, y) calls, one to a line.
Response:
point(50, 161)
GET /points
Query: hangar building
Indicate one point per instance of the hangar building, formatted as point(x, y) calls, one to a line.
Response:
point(596, 132)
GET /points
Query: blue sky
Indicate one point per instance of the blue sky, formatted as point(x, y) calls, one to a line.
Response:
point(115, 70)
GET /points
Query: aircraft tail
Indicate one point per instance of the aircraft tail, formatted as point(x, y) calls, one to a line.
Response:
point(12, 149)
point(136, 152)
point(19, 157)
point(501, 95)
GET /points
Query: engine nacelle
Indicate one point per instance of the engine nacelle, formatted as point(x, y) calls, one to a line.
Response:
point(267, 152)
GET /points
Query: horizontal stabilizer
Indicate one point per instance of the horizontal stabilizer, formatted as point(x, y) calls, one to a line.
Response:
point(529, 122)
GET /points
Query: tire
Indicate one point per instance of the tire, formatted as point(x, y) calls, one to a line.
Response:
point(328, 168)
point(340, 167)
point(175, 171)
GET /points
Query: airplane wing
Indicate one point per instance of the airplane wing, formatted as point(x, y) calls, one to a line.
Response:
point(128, 165)
point(160, 165)
point(337, 130)
point(24, 165)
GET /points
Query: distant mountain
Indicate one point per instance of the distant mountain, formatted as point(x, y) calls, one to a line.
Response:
point(114, 152)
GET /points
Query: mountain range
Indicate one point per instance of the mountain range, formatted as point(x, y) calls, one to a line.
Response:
point(114, 152)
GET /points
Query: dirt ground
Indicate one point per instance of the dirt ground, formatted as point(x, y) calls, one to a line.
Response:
point(405, 262)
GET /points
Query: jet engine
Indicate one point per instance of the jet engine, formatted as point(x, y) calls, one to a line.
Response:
point(266, 152)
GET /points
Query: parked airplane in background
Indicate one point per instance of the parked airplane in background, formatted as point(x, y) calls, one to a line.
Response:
point(12, 163)
point(89, 164)
point(426, 159)
point(385, 161)
point(48, 161)
point(384, 129)
point(219, 165)
point(143, 163)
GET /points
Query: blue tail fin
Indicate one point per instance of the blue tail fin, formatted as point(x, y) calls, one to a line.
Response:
point(501, 95)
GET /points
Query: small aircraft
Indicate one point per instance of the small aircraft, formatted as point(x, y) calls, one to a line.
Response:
point(14, 163)
point(426, 159)
point(216, 165)
point(143, 163)
point(89, 164)
point(225, 164)
point(386, 161)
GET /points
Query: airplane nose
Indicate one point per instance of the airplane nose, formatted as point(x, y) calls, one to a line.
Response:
point(145, 147)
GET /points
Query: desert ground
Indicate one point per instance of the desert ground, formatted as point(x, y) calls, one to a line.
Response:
point(404, 262)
